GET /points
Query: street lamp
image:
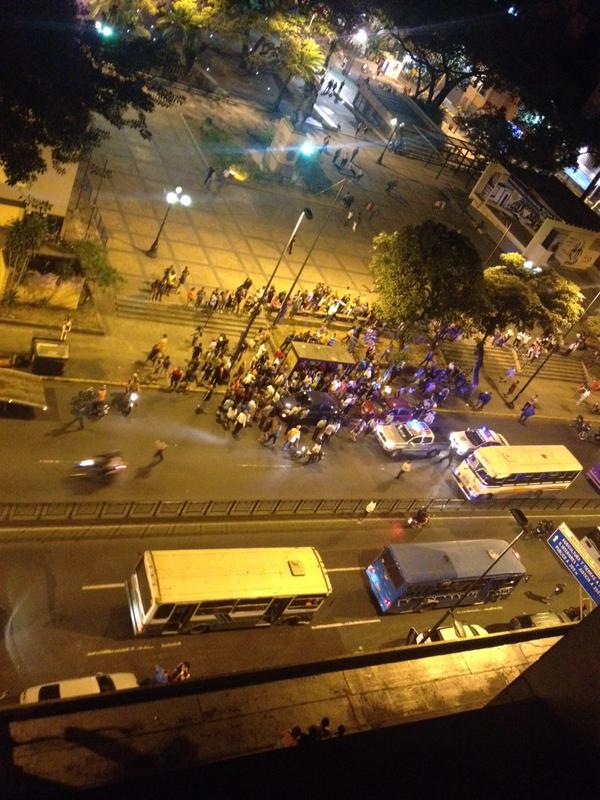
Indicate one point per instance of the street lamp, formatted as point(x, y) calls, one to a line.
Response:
point(523, 523)
point(173, 199)
point(306, 214)
point(285, 305)
point(396, 127)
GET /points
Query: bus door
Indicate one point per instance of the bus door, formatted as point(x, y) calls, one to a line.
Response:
point(276, 609)
point(179, 616)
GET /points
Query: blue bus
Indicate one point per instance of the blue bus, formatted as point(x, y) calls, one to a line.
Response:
point(418, 577)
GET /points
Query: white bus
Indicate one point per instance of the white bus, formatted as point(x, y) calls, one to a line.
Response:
point(193, 591)
point(516, 469)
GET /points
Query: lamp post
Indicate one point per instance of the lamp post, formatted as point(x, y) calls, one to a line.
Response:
point(305, 214)
point(173, 199)
point(511, 403)
point(523, 522)
point(284, 306)
point(396, 127)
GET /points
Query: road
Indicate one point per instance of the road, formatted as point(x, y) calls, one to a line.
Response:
point(204, 461)
point(66, 612)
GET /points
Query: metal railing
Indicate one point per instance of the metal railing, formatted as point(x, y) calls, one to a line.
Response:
point(137, 511)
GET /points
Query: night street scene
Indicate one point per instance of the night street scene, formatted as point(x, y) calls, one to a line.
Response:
point(300, 398)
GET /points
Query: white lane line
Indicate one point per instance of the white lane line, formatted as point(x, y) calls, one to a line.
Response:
point(345, 624)
point(171, 644)
point(92, 587)
point(113, 651)
point(344, 569)
point(477, 609)
point(51, 461)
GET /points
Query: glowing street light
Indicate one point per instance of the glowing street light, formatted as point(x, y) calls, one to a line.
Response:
point(360, 37)
point(173, 198)
point(103, 30)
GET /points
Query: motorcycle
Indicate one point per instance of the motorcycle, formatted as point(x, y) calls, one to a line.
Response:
point(541, 531)
point(130, 402)
point(420, 519)
point(105, 465)
point(582, 428)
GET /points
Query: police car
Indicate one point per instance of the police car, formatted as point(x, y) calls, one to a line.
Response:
point(465, 442)
point(409, 439)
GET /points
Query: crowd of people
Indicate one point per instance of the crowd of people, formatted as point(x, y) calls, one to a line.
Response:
point(292, 737)
point(321, 300)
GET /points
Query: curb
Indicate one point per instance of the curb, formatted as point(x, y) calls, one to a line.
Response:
point(39, 326)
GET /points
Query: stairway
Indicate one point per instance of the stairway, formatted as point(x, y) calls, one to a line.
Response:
point(140, 307)
point(498, 360)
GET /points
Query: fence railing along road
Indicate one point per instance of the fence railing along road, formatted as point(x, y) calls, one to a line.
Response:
point(136, 511)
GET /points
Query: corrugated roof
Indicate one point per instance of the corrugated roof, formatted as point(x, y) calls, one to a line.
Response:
point(558, 198)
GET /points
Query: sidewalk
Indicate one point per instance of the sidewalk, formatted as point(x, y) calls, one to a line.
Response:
point(94, 747)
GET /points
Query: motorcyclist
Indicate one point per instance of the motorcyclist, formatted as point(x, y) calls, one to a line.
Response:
point(133, 384)
point(315, 453)
point(108, 462)
point(99, 400)
point(422, 516)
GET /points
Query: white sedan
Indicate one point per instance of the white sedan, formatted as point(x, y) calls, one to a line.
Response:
point(465, 442)
point(79, 687)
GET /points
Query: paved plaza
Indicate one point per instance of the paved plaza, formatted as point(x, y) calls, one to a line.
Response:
point(237, 230)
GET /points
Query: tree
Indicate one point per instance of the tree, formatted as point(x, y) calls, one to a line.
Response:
point(529, 140)
point(94, 263)
point(23, 238)
point(427, 276)
point(298, 54)
point(180, 27)
point(123, 13)
point(238, 18)
point(514, 296)
point(59, 76)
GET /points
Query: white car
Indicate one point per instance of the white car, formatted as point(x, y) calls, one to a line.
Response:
point(413, 438)
point(465, 442)
point(79, 687)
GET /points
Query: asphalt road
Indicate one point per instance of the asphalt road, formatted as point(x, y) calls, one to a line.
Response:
point(204, 461)
point(66, 613)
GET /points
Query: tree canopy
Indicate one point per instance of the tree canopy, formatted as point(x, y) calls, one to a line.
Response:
point(57, 74)
point(427, 276)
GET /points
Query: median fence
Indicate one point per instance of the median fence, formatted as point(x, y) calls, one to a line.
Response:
point(173, 511)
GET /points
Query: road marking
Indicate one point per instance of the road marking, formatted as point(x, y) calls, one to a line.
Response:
point(92, 587)
point(171, 644)
point(344, 569)
point(114, 651)
point(51, 461)
point(478, 609)
point(345, 624)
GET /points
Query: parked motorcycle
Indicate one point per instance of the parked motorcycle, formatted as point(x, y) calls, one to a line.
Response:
point(130, 402)
point(105, 465)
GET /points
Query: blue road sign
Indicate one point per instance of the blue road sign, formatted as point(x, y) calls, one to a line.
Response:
point(568, 548)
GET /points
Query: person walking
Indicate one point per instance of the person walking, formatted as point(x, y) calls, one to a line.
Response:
point(349, 218)
point(66, 328)
point(240, 422)
point(182, 279)
point(292, 438)
point(358, 175)
point(324, 146)
point(209, 173)
point(483, 398)
point(319, 427)
point(585, 392)
point(340, 87)
point(405, 468)
point(336, 155)
point(159, 449)
point(342, 163)
point(527, 412)
point(390, 186)
point(356, 222)
point(354, 153)
point(347, 200)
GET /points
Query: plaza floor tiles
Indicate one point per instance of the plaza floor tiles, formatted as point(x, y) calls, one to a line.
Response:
point(181, 232)
point(263, 249)
point(189, 253)
point(223, 258)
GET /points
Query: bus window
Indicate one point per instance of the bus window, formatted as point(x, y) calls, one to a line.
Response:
point(215, 607)
point(306, 602)
point(392, 570)
point(253, 607)
point(164, 611)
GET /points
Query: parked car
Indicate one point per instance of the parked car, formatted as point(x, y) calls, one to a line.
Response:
point(459, 630)
point(465, 442)
point(320, 405)
point(387, 409)
point(541, 619)
point(79, 687)
point(412, 439)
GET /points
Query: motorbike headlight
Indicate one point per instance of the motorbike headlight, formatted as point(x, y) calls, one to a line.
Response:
point(133, 397)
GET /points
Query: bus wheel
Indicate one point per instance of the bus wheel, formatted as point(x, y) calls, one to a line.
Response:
point(293, 621)
point(200, 629)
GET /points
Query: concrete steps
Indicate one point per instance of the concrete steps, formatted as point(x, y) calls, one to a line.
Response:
point(140, 307)
point(498, 360)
